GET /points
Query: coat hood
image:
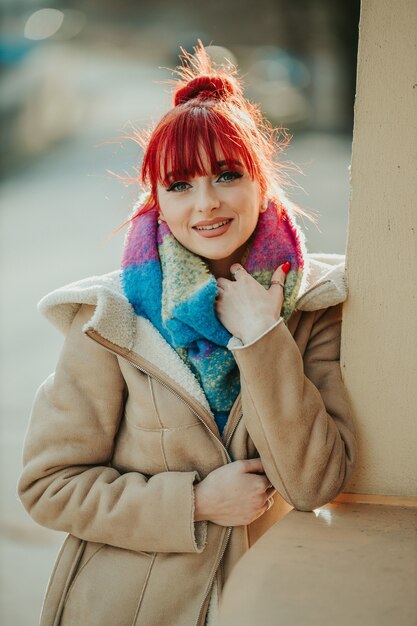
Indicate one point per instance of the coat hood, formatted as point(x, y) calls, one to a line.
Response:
point(116, 321)
point(324, 286)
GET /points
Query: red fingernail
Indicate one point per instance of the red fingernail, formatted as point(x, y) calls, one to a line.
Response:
point(286, 267)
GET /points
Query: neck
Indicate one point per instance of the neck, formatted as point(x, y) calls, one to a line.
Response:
point(220, 268)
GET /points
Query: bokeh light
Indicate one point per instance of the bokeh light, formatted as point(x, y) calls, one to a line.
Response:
point(43, 24)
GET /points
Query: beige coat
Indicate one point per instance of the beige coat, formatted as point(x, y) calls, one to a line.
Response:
point(118, 437)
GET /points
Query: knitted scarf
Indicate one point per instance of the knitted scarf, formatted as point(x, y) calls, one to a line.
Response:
point(174, 289)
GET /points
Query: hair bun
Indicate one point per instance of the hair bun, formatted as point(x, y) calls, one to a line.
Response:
point(206, 88)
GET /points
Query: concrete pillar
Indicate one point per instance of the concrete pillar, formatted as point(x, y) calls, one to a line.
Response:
point(379, 340)
point(307, 568)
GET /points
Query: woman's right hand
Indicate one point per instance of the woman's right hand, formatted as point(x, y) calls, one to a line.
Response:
point(233, 495)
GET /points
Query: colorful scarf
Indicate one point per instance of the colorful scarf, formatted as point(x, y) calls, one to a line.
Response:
point(174, 289)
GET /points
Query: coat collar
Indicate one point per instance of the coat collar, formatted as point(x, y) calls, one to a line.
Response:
point(115, 320)
point(325, 282)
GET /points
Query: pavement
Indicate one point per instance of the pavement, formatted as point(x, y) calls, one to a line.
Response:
point(56, 215)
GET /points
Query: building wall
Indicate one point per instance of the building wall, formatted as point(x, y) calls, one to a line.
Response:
point(379, 341)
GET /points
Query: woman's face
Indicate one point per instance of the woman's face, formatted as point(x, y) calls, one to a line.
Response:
point(215, 215)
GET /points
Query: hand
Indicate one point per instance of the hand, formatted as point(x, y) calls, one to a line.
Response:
point(233, 495)
point(244, 307)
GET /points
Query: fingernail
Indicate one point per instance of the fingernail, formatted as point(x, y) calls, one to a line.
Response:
point(286, 267)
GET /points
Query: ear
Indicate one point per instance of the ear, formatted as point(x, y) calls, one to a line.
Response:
point(264, 205)
point(161, 217)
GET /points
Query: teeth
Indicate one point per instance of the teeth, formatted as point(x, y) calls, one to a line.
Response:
point(212, 226)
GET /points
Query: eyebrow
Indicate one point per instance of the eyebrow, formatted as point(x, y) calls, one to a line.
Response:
point(219, 163)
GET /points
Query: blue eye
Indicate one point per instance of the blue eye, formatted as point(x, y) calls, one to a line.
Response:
point(228, 177)
point(179, 186)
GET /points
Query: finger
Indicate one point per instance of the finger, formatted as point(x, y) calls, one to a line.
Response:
point(279, 276)
point(237, 271)
point(270, 492)
point(221, 283)
point(266, 507)
point(253, 466)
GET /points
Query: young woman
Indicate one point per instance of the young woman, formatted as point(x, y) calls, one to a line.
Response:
point(198, 396)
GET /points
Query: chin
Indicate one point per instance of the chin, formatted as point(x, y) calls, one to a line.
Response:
point(213, 256)
point(224, 253)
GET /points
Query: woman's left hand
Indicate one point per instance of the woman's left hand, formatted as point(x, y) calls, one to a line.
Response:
point(244, 307)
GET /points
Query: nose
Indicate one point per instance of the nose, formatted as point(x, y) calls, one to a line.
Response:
point(206, 199)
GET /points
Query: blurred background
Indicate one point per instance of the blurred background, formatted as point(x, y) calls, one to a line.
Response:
point(76, 77)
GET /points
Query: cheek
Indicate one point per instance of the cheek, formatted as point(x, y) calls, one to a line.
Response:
point(169, 212)
point(253, 198)
point(177, 221)
point(253, 207)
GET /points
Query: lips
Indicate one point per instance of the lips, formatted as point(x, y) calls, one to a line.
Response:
point(211, 225)
point(213, 228)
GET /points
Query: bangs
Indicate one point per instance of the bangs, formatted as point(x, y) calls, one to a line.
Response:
point(196, 142)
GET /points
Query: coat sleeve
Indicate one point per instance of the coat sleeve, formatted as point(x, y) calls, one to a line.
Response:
point(297, 412)
point(68, 483)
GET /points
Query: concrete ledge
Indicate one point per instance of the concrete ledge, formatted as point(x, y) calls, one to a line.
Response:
point(343, 564)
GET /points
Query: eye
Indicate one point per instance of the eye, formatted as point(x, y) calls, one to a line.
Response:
point(229, 176)
point(179, 186)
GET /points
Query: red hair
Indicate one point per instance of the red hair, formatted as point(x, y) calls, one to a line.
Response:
point(210, 121)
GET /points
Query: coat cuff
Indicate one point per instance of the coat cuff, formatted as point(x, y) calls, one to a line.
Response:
point(237, 344)
point(181, 533)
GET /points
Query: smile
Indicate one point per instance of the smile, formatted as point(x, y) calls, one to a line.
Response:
point(213, 226)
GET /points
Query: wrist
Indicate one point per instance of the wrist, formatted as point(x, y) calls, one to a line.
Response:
point(199, 515)
point(257, 329)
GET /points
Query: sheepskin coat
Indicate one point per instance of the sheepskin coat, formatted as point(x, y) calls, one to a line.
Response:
point(122, 431)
